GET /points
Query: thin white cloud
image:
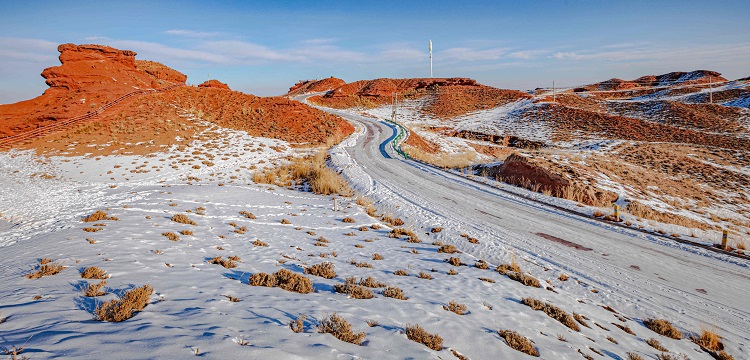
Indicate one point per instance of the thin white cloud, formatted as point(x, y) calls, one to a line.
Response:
point(528, 54)
point(194, 34)
point(472, 54)
point(244, 52)
point(29, 50)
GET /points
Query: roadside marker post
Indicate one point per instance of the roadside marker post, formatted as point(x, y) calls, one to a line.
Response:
point(724, 238)
point(335, 204)
point(617, 213)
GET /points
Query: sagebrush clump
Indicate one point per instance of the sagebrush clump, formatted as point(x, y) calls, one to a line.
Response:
point(125, 307)
point(340, 329)
point(663, 327)
point(518, 342)
point(455, 307)
point(94, 272)
point(46, 267)
point(417, 334)
point(325, 270)
point(183, 219)
point(552, 311)
point(284, 279)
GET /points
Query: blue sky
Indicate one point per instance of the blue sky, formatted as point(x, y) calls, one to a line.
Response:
point(265, 47)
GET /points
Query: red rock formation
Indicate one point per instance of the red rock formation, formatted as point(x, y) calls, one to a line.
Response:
point(312, 86)
point(89, 76)
point(215, 84)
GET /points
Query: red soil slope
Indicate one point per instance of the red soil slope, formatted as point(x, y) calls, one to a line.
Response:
point(216, 84)
point(312, 86)
point(448, 96)
point(90, 76)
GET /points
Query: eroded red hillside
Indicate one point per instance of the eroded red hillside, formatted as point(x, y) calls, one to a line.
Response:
point(89, 76)
point(312, 86)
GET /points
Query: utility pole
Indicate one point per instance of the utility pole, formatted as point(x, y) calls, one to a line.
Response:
point(394, 101)
point(554, 98)
point(710, 90)
point(430, 58)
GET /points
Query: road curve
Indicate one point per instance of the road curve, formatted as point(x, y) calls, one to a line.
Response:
point(630, 270)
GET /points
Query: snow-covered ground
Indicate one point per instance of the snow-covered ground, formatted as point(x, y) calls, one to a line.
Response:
point(43, 199)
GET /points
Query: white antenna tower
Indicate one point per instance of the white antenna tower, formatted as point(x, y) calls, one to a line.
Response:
point(430, 57)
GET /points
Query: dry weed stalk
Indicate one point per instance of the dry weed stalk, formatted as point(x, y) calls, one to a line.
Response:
point(94, 290)
point(708, 340)
point(663, 327)
point(298, 324)
point(46, 267)
point(455, 307)
point(655, 344)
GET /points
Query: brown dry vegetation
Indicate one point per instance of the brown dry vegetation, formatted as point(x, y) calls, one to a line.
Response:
point(394, 292)
point(182, 219)
point(46, 267)
point(455, 307)
point(663, 327)
point(311, 171)
point(552, 311)
point(341, 329)
point(417, 334)
point(94, 290)
point(94, 272)
point(228, 263)
point(354, 291)
point(325, 270)
point(98, 216)
point(130, 303)
point(518, 342)
point(284, 279)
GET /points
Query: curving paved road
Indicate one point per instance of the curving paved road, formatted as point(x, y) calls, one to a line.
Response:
point(648, 275)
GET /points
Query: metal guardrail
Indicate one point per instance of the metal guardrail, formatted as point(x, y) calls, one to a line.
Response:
point(7, 142)
point(402, 135)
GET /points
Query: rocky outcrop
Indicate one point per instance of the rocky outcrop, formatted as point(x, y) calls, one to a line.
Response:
point(214, 84)
point(312, 86)
point(160, 71)
point(518, 170)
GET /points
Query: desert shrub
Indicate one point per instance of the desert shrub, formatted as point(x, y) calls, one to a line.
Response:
point(377, 256)
point(298, 325)
point(99, 215)
point(125, 307)
point(513, 271)
point(452, 272)
point(46, 267)
point(263, 279)
point(187, 232)
point(94, 290)
point(285, 221)
point(248, 215)
point(91, 229)
point(340, 329)
point(424, 275)
point(552, 311)
point(487, 280)
point(436, 230)
point(311, 170)
point(394, 292)
point(94, 272)
point(518, 342)
point(360, 264)
point(634, 356)
point(611, 339)
point(171, 236)
point(228, 263)
point(354, 291)
point(708, 340)
point(182, 219)
point(663, 327)
point(257, 242)
point(293, 282)
point(348, 220)
point(371, 323)
point(364, 228)
point(481, 264)
point(655, 344)
point(324, 270)
point(401, 272)
point(563, 277)
point(455, 307)
point(454, 261)
point(448, 249)
point(417, 334)
point(371, 283)
point(399, 232)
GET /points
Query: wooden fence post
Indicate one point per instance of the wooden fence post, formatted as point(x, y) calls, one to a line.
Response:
point(724, 239)
point(617, 213)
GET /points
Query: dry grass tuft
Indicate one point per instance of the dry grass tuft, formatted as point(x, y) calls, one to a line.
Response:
point(284, 279)
point(394, 292)
point(183, 219)
point(325, 270)
point(518, 342)
point(340, 329)
point(424, 275)
point(285, 221)
point(91, 229)
point(452, 272)
point(663, 327)
point(312, 171)
point(401, 272)
point(563, 277)
point(348, 220)
point(371, 323)
point(187, 232)
point(371, 283)
point(487, 280)
point(656, 344)
point(94, 272)
point(624, 328)
point(354, 291)
point(228, 263)
point(455, 261)
point(98, 216)
point(417, 334)
point(171, 236)
point(709, 340)
point(455, 307)
point(513, 271)
point(247, 214)
point(481, 264)
point(552, 311)
point(580, 319)
point(448, 249)
point(125, 307)
point(298, 325)
point(377, 256)
point(46, 267)
point(94, 290)
point(634, 356)
point(257, 242)
point(360, 264)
